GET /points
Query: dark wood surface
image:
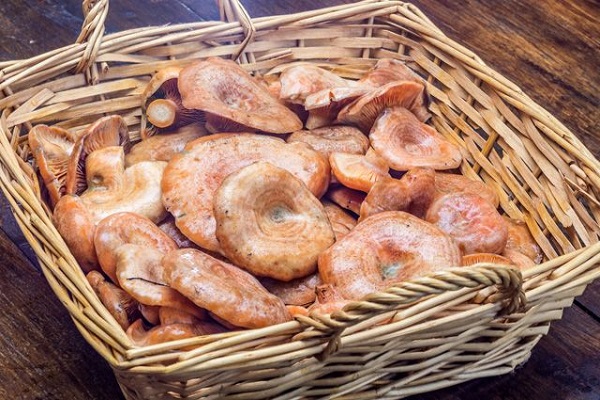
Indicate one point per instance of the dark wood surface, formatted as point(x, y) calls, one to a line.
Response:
point(551, 49)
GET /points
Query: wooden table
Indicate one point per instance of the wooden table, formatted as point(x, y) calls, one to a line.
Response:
point(551, 49)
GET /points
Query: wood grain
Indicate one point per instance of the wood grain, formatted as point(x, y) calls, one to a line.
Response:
point(551, 49)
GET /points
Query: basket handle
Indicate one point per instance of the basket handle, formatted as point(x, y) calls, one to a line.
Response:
point(509, 294)
point(96, 11)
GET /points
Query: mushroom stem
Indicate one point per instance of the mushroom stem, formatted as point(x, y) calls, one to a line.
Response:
point(162, 112)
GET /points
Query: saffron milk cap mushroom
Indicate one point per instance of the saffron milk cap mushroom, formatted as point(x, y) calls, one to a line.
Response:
point(118, 302)
point(269, 223)
point(333, 139)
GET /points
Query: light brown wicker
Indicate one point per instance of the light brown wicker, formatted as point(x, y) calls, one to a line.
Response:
point(446, 329)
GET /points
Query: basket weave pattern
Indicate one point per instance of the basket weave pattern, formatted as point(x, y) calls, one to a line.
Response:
point(413, 338)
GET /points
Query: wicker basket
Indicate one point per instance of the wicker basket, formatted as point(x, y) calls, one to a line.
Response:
point(445, 329)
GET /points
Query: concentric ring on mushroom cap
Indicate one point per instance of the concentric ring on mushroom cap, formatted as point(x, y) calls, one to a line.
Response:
point(107, 131)
point(389, 247)
point(223, 88)
point(269, 223)
point(405, 142)
point(193, 176)
point(223, 289)
point(127, 227)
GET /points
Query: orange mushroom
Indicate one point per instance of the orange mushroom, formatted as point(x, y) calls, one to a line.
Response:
point(341, 221)
point(163, 147)
point(474, 223)
point(51, 148)
point(346, 198)
point(405, 142)
point(193, 176)
point(520, 240)
point(150, 313)
point(167, 333)
point(333, 139)
point(519, 259)
point(363, 111)
point(118, 302)
point(389, 247)
point(297, 292)
point(269, 223)
point(105, 132)
point(328, 300)
point(232, 99)
point(300, 81)
point(126, 227)
point(357, 171)
point(474, 258)
point(413, 193)
point(223, 289)
point(454, 183)
point(324, 106)
point(171, 315)
point(168, 226)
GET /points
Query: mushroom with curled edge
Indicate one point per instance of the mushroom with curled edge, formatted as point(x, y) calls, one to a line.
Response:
point(163, 147)
point(297, 292)
point(405, 142)
point(389, 247)
point(341, 221)
point(471, 221)
point(232, 99)
point(111, 189)
point(51, 148)
point(225, 290)
point(358, 171)
point(413, 193)
point(140, 273)
point(162, 106)
point(127, 227)
point(193, 176)
point(363, 111)
point(118, 302)
point(106, 132)
point(452, 183)
point(332, 139)
point(269, 223)
point(167, 333)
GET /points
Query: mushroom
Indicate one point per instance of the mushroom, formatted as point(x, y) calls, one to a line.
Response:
point(413, 193)
point(119, 304)
point(167, 333)
point(332, 139)
point(341, 221)
point(519, 259)
point(168, 226)
point(232, 99)
point(324, 106)
point(300, 81)
point(127, 227)
point(105, 132)
point(172, 315)
point(475, 258)
point(389, 247)
point(297, 292)
point(269, 223)
point(405, 142)
point(51, 148)
point(454, 183)
point(363, 111)
point(163, 147)
point(358, 171)
point(346, 198)
point(471, 221)
point(223, 289)
point(520, 240)
point(141, 274)
point(328, 300)
point(150, 313)
point(193, 176)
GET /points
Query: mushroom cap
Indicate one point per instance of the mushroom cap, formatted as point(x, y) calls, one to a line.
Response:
point(76, 226)
point(127, 227)
point(193, 176)
point(168, 226)
point(118, 302)
point(358, 171)
point(519, 259)
point(363, 111)
point(300, 81)
point(341, 221)
point(333, 139)
point(163, 147)
point(269, 223)
point(113, 189)
point(172, 315)
point(452, 183)
point(167, 333)
point(223, 88)
point(520, 240)
point(297, 292)
point(471, 221)
point(386, 248)
point(346, 198)
point(158, 80)
point(223, 289)
point(328, 300)
point(107, 131)
point(51, 148)
point(413, 193)
point(141, 274)
point(405, 142)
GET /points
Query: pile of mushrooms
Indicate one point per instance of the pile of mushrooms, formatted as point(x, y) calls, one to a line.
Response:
point(249, 201)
